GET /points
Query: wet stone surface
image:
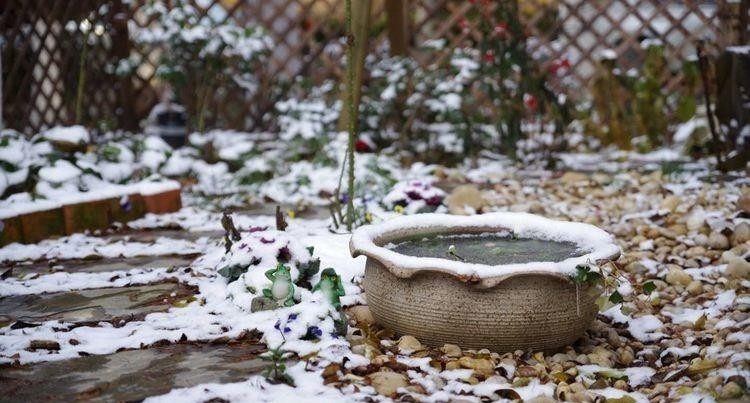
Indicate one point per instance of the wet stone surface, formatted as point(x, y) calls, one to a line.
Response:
point(98, 265)
point(153, 235)
point(93, 305)
point(490, 249)
point(131, 375)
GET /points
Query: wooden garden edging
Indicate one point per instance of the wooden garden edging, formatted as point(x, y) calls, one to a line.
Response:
point(90, 215)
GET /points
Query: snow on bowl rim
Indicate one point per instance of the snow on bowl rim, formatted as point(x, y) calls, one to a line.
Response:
point(598, 244)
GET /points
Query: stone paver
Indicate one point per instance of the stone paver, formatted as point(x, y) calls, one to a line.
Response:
point(93, 305)
point(97, 266)
point(130, 375)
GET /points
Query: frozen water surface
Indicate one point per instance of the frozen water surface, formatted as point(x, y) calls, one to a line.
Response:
point(489, 249)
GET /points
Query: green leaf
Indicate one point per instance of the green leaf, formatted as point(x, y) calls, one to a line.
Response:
point(615, 298)
point(593, 277)
point(232, 273)
point(649, 287)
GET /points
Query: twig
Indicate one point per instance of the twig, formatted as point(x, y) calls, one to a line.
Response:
point(280, 221)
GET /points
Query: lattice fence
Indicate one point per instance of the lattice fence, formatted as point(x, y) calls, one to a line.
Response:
point(42, 48)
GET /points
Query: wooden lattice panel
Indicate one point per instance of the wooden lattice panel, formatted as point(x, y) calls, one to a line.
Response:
point(41, 58)
point(581, 30)
point(42, 55)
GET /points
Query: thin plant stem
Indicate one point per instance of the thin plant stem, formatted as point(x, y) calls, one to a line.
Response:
point(81, 78)
point(351, 115)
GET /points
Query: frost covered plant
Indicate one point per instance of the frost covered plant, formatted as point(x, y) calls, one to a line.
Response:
point(249, 266)
point(420, 109)
point(275, 372)
point(414, 196)
point(511, 79)
point(200, 54)
point(307, 124)
point(608, 280)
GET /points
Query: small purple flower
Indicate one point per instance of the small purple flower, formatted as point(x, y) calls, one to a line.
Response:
point(277, 326)
point(256, 229)
point(292, 316)
point(434, 200)
point(315, 331)
point(266, 240)
point(284, 255)
point(243, 245)
point(344, 198)
point(414, 195)
point(287, 329)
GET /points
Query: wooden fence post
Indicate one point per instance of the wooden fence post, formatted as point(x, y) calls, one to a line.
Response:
point(398, 26)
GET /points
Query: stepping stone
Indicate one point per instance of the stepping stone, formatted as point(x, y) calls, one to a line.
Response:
point(269, 209)
point(101, 265)
point(131, 375)
point(152, 235)
point(95, 305)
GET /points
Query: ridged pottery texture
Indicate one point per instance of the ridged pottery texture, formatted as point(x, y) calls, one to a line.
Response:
point(503, 308)
point(533, 311)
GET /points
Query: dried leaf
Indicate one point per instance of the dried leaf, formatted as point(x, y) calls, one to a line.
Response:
point(509, 394)
point(700, 323)
point(623, 399)
point(701, 366)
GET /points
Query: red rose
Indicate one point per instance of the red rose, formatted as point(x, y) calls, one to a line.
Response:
point(489, 56)
point(363, 145)
point(530, 102)
point(501, 29)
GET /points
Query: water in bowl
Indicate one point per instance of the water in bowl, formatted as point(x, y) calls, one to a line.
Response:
point(489, 249)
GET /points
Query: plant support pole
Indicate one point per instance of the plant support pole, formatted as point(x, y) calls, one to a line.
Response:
point(351, 115)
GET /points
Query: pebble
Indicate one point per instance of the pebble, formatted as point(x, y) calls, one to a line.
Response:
point(677, 276)
point(386, 382)
point(741, 233)
point(613, 338)
point(737, 267)
point(361, 314)
point(451, 350)
point(636, 268)
point(695, 288)
point(527, 371)
point(694, 222)
point(718, 241)
point(743, 204)
point(366, 350)
point(572, 178)
point(621, 384)
point(465, 199)
point(408, 344)
point(731, 391)
point(625, 357)
point(670, 203)
point(482, 365)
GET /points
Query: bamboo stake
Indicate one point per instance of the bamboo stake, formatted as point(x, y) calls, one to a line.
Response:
point(357, 31)
point(351, 111)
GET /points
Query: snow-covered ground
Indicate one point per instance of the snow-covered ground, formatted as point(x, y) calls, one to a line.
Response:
point(686, 233)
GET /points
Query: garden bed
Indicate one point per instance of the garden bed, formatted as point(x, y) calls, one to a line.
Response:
point(33, 221)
